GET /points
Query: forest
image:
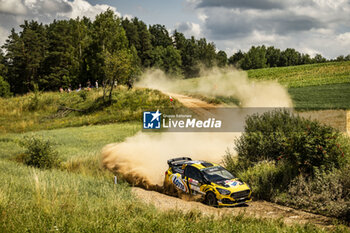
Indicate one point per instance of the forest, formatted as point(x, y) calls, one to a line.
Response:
point(78, 52)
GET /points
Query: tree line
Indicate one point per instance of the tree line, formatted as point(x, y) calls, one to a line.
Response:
point(109, 49)
point(263, 57)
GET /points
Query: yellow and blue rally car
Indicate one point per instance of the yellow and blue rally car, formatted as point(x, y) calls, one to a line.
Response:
point(216, 185)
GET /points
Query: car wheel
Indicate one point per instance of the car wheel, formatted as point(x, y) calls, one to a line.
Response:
point(211, 199)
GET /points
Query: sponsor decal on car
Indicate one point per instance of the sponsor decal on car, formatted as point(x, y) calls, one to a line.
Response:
point(179, 183)
point(192, 181)
point(233, 183)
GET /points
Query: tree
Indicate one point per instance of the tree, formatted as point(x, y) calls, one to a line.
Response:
point(206, 52)
point(340, 58)
point(144, 46)
point(25, 53)
point(167, 59)
point(179, 40)
point(62, 64)
point(305, 59)
point(290, 57)
point(190, 58)
point(3, 67)
point(4, 88)
point(131, 32)
point(221, 58)
point(160, 36)
point(273, 56)
point(255, 58)
point(118, 68)
point(319, 59)
point(107, 37)
point(236, 59)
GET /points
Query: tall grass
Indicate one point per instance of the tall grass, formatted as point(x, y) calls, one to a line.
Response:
point(54, 110)
point(34, 200)
point(81, 196)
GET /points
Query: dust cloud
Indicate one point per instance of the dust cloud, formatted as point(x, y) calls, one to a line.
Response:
point(141, 159)
point(221, 82)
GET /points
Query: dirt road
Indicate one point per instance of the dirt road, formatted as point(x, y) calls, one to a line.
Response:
point(260, 209)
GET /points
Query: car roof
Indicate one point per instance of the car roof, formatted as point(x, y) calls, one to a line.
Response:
point(199, 164)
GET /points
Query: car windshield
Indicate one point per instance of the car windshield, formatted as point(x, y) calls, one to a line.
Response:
point(217, 173)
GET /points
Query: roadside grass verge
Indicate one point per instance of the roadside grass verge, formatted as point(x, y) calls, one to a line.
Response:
point(77, 147)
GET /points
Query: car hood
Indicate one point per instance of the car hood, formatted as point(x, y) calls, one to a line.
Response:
point(233, 184)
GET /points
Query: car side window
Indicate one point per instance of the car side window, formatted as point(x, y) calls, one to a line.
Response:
point(193, 173)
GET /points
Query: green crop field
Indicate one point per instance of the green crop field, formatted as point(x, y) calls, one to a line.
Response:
point(305, 75)
point(312, 87)
point(330, 96)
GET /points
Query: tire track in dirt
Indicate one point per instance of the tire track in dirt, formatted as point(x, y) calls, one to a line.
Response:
point(258, 209)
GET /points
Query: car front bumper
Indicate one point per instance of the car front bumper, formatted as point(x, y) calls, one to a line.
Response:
point(232, 202)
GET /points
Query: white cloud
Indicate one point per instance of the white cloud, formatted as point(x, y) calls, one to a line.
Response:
point(83, 8)
point(310, 26)
point(14, 12)
point(12, 7)
point(189, 29)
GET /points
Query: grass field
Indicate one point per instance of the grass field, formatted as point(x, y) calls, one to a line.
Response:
point(330, 96)
point(305, 75)
point(80, 195)
point(85, 199)
point(51, 110)
point(312, 87)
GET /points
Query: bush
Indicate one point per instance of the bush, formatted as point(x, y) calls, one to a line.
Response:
point(83, 94)
point(324, 193)
point(265, 178)
point(279, 135)
point(4, 88)
point(39, 153)
point(34, 101)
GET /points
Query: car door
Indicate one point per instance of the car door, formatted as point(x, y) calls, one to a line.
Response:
point(194, 179)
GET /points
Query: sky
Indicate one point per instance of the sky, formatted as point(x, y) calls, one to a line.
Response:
point(310, 26)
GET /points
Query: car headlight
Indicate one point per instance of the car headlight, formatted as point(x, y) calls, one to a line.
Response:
point(223, 191)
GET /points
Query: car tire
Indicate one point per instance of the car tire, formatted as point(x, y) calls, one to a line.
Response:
point(211, 199)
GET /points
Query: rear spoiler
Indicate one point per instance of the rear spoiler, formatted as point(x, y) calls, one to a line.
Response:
point(178, 161)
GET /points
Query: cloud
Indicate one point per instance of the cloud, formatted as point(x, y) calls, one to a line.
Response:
point(189, 29)
point(307, 25)
point(83, 8)
point(252, 4)
point(15, 7)
point(14, 12)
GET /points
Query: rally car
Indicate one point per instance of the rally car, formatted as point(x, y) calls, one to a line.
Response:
point(216, 185)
